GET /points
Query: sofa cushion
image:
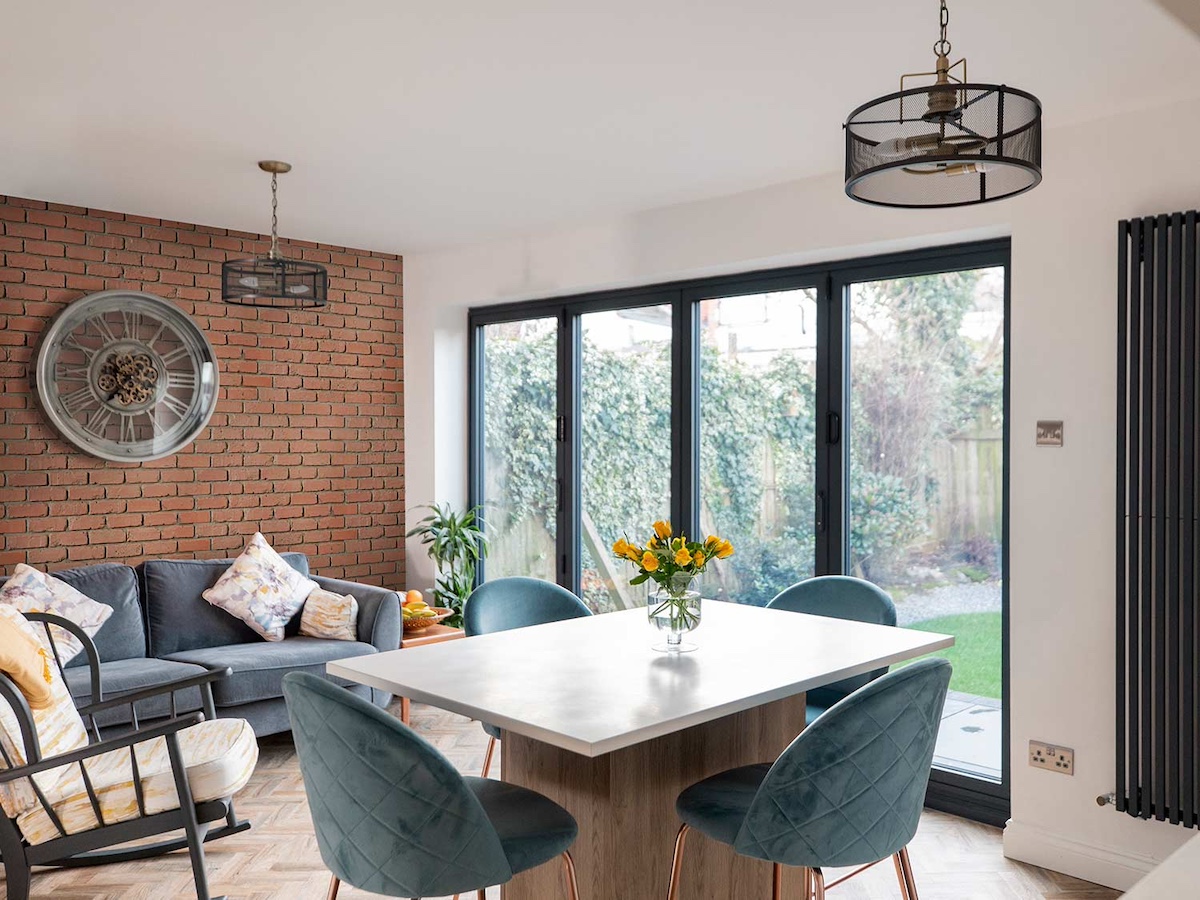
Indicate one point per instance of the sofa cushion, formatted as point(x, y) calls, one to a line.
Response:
point(178, 615)
point(261, 589)
point(124, 634)
point(122, 676)
point(258, 668)
point(32, 591)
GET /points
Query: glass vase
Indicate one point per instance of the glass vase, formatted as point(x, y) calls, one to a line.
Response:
point(674, 610)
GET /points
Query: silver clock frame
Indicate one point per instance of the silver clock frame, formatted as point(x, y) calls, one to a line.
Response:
point(192, 344)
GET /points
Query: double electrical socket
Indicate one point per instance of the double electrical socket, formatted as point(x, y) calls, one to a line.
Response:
point(1052, 758)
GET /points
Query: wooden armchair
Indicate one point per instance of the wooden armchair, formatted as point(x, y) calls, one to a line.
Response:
point(69, 796)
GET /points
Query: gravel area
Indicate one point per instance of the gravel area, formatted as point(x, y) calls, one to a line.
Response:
point(950, 600)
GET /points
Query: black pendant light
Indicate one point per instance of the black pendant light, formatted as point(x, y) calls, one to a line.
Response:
point(951, 143)
point(274, 280)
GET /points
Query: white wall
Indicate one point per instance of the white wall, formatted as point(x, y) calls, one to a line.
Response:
point(1063, 366)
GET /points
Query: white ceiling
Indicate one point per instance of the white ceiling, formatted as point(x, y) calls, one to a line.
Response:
point(419, 124)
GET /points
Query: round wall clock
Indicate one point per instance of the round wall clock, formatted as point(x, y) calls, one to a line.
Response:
point(126, 376)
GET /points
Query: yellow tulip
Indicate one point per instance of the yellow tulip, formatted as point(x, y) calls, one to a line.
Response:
point(662, 529)
point(632, 553)
point(682, 556)
point(711, 542)
point(698, 559)
point(649, 561)
point(725, 549)
point(620, 547)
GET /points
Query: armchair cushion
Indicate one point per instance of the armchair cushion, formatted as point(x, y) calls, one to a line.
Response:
point(261, 589)
point(219, 757)
point(124, 634)
point(258, 668)
point(32, 591)
point(59, 730)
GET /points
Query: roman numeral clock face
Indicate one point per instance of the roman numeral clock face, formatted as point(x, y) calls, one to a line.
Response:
point(126, 376)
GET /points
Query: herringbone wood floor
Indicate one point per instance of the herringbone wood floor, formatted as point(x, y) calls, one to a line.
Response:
point(278, 860)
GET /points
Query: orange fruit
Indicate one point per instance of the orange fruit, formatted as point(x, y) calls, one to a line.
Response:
point(412, 597)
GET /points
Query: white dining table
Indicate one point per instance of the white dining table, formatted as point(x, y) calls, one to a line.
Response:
point(596, 719)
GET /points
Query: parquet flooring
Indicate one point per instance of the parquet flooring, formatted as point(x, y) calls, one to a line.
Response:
point(278, 860)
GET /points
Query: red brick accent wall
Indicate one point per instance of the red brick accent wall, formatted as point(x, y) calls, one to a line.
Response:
point(307, 442)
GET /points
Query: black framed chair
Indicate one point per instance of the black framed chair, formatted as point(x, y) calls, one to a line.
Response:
point(81, 804)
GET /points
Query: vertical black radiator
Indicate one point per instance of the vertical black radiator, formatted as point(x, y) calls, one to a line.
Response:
point(1158, 474)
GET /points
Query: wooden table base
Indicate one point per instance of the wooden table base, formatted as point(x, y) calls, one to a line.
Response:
point(625, 805)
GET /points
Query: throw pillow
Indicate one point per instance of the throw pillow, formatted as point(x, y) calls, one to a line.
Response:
point(330, 616)
point(24, 659)
point(59, 726)
point(32, 591)
point(261, 589)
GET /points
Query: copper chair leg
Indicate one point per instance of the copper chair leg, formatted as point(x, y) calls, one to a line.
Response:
point(906, 869)
point(777, 882)
point(572, 883)
point(487, 759)
point(807, 881)
point(818, 884)
point(677, 863)
point(482, 895)
point(334, 884)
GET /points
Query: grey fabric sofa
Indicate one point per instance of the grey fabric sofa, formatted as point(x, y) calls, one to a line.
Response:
point(162, 629)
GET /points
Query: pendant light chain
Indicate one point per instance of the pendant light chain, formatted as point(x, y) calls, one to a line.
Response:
point(942, 46)
point(274, 254)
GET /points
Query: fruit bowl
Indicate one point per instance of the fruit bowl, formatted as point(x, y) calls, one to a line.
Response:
point(440, 613)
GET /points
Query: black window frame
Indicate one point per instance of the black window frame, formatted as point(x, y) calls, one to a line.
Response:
point(971, 797)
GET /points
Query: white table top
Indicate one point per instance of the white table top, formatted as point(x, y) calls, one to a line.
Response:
point(595, 685)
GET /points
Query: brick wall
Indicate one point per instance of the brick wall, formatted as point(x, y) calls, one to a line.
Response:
point(306, 444)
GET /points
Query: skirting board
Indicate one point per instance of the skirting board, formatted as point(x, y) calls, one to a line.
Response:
point(1102, 865)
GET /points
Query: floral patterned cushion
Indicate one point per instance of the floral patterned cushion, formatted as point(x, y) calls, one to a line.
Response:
point(330, 616)
point(59, 727)
point(32, 591)
point(261, 589)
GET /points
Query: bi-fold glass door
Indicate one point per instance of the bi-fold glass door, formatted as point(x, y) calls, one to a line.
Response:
point(846, 419)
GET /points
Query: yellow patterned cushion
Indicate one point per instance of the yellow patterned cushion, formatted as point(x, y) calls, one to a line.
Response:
point(261, 589)
point(32, 591)
point(330, 616)
point(25, 660)
point(59, 728)
point(219, 757)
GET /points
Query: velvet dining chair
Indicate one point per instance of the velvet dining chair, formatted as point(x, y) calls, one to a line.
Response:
point(847, 792)
point(516, 602)
point(394, 817)
point(839, 597)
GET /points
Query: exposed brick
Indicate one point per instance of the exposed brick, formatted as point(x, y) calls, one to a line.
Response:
point(306, 444)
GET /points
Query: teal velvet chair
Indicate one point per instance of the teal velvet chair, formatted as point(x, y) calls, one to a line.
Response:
point(847, 792)
point(516, 602)
point(840, 597)
point(394, 817)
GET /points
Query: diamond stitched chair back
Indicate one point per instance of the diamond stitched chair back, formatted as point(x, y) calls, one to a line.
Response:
point(839, 597)
point(394, 817)
point(516, 602)
point(847, 792)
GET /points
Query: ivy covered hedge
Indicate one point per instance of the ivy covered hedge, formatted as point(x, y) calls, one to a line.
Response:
point(916, 380)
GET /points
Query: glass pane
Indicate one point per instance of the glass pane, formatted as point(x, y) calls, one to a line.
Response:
point(926, 480)
point(519, 447)
point(757, 440)
point(625, 426)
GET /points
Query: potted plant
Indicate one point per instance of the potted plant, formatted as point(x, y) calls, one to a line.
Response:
point(456, 544)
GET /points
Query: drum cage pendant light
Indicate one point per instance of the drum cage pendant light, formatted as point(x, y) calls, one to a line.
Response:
point(274, 281)
point(950, 143)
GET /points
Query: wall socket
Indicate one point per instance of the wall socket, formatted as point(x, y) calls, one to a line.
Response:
point(1052, 757)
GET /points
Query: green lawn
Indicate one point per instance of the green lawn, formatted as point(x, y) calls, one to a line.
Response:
point(976, 651)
